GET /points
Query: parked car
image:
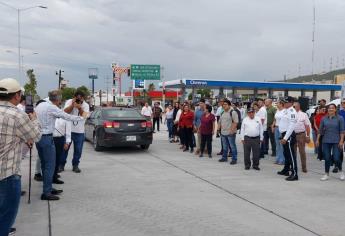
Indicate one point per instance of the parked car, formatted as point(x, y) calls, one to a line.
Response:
point(118, 126)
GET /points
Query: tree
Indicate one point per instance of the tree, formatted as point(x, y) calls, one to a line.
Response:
point(151, 87)
point(30, 87)
point(67, 93)
point(85, 90)
point(205, 93)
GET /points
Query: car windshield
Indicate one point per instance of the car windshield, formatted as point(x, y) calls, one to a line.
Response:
point(119, 113)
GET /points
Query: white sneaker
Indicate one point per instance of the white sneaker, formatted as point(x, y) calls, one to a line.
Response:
point(324, 178)
point(342, 176)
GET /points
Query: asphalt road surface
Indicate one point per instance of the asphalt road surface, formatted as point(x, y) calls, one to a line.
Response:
point(164, 191)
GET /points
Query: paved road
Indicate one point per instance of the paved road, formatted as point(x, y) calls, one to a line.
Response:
point(163, 191)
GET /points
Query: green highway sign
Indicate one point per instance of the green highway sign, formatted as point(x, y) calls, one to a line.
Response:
point(146, 72)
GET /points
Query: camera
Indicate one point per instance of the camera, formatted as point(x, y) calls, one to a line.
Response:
point(78, 101)
point(29, 104)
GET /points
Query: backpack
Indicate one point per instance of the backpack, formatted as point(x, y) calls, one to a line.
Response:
point(239, 124)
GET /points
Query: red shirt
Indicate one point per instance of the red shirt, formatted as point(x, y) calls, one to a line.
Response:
point(186, 120)
point(207, 124)
point(318, 118)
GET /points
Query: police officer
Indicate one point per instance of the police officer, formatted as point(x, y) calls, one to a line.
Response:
point(288, 139)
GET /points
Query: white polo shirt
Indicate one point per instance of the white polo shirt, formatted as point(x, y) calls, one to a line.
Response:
point(78, 126)
point(146, 111)
point(262, 114)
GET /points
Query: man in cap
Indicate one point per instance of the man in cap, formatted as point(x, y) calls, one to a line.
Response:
point(16, 129)
point(251, 137)
point(288, 139)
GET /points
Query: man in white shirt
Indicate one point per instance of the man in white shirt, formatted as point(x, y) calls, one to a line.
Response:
point(251, 137)
point(302, 130)
point(77, 106)
point(62, 140)
point(47, 113)
point(288, 139)
point(262, 115)
point(146, 111)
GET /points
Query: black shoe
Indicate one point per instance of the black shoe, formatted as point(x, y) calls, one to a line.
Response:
point(209, 156)
point(49, 197)
point(185, 150)
point(292, 178)
point(233, 162)
point(56, 191)
point(335, 170)
point(12, 231)
point(61, 169)
point(219, 153)
point(247, 168)
point(76, 169)
point(274, 155)
point(223, 160)
point(201, 155)
point(38, 177)
point(57, 181)
point(283, 172)
point(256, 168)
point(191, 150)
point(22, 193)
point(230, 154)
point(58, 176)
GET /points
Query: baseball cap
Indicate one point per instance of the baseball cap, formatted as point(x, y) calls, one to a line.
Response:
point(250, 109)
point(9, 85)
point(288, 99)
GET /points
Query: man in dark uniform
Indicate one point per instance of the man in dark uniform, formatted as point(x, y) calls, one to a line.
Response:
point(288, 139)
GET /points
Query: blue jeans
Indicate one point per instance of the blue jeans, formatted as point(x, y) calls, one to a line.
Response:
point(170, 124)
point(314, 133)
point(10, 189)
point(280, 151)
point(226, 141)
point(78, 142)
point(327, 149)
point(46, 152)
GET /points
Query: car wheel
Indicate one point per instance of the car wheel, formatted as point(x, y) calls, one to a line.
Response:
point(96, 146)
point(145, 147)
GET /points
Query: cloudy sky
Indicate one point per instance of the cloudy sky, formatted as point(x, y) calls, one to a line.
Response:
point(221, 39)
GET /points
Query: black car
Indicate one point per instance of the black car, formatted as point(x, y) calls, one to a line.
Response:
point(118, 127)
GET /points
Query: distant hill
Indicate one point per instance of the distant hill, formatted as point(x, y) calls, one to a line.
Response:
point(316, 77)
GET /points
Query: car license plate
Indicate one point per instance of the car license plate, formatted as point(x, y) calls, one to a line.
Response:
point(131, 138)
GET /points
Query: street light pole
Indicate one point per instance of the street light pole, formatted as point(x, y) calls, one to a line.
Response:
point(19, 10)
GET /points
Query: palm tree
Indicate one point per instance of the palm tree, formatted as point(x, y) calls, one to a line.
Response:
point(151, 87)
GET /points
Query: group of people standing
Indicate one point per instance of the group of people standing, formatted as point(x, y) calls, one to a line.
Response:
point(48, 127)
point(284, 128)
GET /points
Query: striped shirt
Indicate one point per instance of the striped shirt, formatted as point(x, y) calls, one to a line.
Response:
point(15, 129)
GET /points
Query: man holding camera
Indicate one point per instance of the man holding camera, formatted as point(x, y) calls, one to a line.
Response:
point(16, 129)
point(47, 113)
point(76, 106)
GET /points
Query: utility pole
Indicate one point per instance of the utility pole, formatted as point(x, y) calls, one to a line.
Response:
point(107, 82)
point(59, 73)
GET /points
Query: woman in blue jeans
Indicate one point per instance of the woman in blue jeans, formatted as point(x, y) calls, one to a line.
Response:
point(275, 127)
point(332, 129)
point(169, 116)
